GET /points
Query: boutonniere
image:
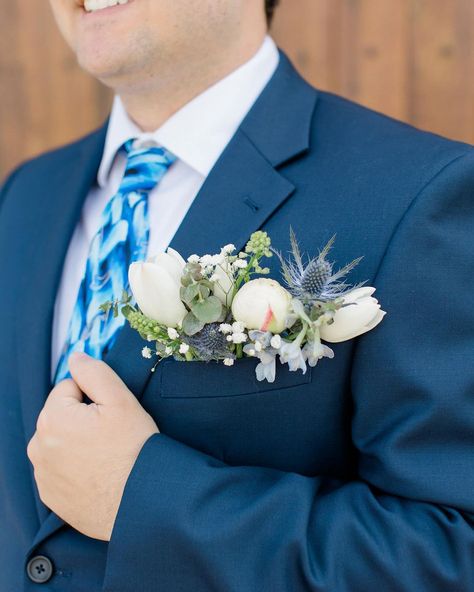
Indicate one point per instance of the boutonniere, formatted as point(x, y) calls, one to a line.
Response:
point(222, 307)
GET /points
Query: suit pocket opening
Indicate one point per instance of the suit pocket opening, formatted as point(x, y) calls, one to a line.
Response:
point(183, 380)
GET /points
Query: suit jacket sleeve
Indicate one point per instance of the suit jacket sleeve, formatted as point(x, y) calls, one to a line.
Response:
point(189, 522)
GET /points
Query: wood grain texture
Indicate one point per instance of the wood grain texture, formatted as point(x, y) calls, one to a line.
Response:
point(46, 100)
point(411, 59)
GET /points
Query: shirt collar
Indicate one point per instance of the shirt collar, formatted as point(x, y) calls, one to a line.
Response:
point(198, 132)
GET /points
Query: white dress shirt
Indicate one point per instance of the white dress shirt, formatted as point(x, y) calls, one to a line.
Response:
point(197, 135)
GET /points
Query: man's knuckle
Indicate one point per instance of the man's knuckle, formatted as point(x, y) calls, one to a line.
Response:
point(31, 449)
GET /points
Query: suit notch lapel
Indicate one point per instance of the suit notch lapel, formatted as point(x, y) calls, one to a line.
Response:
point(240, 194)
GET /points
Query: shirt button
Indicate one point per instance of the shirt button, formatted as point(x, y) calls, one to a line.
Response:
point(39, 569)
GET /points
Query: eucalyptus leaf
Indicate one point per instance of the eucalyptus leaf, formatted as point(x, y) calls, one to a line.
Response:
point(207, 283)
point(192, 267)
point(204, 290)
point(186, 280)
point(197, 276)
point(191, 325)
point(189, 293)
point(209, 310)
point(223, 317)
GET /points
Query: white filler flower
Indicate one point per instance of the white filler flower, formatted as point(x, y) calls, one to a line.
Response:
point(172, 333)
point(146, 352)
point(155, 284)
point(362, 315)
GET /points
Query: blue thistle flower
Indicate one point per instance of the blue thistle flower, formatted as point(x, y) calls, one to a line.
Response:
point(315, 281)
point(210, 343)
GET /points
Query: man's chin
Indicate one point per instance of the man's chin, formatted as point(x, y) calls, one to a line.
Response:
point(102, 65)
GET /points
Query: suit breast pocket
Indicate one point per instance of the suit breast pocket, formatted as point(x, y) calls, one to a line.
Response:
point(190, 380)
point(289, 424)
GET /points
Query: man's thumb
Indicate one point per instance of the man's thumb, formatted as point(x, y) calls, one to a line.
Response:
point(97, 380)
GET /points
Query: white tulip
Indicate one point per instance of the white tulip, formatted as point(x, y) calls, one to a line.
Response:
point(155, 284)
point(262, 304)
point(362, 315)
point(170, 260)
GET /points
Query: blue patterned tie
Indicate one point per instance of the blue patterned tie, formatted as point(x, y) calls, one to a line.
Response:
point(121, 239)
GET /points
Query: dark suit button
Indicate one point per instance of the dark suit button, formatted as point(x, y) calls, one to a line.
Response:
point(39, 569)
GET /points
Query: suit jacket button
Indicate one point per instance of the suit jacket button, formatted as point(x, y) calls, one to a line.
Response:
point(39, 569)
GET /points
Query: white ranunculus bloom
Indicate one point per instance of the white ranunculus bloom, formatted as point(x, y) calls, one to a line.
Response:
point(155, 284)
point(362, 315)
point(262, 304)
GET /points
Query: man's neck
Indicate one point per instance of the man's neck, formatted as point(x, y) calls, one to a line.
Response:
point(150, 107)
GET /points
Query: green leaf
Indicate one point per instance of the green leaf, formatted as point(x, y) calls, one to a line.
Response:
point(105, 307)
point(207, 283)
point(191, 325)
point(204, 290)
point(186, 280)
point(209, 310)
point(192, 267)
point(126, 310)
point(189, 293)
point(196, 274)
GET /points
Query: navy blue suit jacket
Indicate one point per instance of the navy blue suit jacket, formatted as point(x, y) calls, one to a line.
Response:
point(355, 477)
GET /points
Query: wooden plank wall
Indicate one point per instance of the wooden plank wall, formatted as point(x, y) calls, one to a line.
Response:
point(412, 59)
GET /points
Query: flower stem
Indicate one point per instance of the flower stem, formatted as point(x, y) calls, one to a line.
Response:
point(244, 277)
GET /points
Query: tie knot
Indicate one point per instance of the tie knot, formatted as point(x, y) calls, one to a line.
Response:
point(145, 166)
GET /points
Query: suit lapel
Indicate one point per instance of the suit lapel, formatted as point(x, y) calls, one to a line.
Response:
point(52, 207)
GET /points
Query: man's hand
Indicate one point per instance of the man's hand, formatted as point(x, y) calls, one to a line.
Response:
point(83, 454)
